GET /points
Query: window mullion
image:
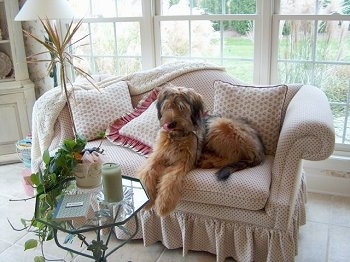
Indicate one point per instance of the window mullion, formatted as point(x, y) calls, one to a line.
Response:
point(263, 38)
point(116, 45)
point(274, 48)
point(221, 42)
point(313, 58)
point(91, 49)
point(148, 35)
point(346, 117)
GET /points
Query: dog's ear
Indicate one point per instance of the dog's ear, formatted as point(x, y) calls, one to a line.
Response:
point(160, 99)
point(159, 106)
point(197, 107)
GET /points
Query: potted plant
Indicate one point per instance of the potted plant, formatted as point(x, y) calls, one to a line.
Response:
point(47, 182)
point(60, 166)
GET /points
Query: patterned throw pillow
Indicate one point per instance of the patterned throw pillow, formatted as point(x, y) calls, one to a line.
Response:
point(260, 105)
point(137, 130)
point(93, 110)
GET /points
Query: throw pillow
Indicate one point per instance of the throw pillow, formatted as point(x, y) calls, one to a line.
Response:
point(93, 110)
point(260, 105)
point(137, 130)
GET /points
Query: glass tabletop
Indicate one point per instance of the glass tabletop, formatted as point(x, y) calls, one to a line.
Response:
point(81, 210)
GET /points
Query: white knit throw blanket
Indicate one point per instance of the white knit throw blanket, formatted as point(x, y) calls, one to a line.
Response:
point(48, 107)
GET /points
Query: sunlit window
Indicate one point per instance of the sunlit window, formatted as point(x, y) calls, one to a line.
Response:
point(289, 41)
point(314, 48)
point(212, 31)
point(113, 42)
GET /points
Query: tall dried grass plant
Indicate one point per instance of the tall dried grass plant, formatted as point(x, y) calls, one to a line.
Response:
point(59, 50)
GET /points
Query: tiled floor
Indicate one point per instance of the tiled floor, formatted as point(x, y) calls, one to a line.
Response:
point(325, 237)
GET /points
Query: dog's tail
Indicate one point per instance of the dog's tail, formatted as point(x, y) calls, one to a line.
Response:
point(224, 172)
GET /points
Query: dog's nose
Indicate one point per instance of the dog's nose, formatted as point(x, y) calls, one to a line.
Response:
point(172, 125)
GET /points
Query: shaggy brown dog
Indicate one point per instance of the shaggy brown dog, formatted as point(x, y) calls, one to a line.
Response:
point(227, 144)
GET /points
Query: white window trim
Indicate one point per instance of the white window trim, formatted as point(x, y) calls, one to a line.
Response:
point(262, 35)
point(148, 40)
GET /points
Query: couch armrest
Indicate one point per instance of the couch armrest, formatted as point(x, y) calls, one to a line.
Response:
point(308, 123)
point(307, 133)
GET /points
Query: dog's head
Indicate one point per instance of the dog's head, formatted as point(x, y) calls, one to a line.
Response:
point(179, 109)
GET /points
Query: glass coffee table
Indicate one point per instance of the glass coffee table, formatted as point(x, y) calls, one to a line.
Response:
point(100, 220)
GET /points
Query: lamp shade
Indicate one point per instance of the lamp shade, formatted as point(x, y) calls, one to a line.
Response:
point(51, 9)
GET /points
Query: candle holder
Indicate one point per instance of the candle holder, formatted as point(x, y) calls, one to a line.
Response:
point(107, 210)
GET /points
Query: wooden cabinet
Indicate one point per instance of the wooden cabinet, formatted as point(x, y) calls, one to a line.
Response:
point(16, 90)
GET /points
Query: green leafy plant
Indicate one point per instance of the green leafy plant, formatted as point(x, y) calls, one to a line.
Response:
point(48, 184)
point(60, 165)
point(56, 169)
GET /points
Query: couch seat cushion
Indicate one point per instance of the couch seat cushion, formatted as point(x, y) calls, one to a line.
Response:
point(246, 189)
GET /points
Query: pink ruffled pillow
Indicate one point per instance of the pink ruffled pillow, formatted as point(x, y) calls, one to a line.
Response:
point(138, 129)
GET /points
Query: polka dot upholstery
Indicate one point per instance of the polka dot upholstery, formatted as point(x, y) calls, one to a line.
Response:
point(138, 129)
point(256, 214)
point(94, 110)
point(144, 127)
point(246, 189)
point(261, 106)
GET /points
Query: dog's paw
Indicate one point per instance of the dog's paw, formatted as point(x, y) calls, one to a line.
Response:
point(162, 210)
point(149, 205)
point(164, 206)
point(205, 161)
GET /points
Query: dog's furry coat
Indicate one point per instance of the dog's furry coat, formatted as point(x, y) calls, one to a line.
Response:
point(186, 140)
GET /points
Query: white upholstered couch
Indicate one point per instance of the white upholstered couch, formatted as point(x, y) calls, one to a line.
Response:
point(253, 216)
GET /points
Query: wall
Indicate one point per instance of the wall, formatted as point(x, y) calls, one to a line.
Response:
point(37, 71)
point(331, 176)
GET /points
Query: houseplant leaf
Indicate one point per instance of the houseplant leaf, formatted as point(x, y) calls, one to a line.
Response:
point(30, 243)
point(46, 157)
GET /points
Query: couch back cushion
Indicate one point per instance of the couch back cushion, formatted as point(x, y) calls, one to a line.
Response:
point(139, 136)
point(137, 130)
point(261, 106)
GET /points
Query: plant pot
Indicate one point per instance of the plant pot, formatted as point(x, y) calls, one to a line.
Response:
point(87, 175)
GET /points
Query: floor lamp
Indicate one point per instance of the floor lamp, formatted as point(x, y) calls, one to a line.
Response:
point(46, 9)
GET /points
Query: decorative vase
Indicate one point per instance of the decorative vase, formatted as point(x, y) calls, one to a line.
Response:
point(87, 175)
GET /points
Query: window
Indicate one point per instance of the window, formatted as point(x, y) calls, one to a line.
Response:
point(313, 47)
point(220, 32)
point(262, 42)
point(113, 30)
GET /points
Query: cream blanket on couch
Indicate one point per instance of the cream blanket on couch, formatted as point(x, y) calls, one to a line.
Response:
point(48, 107)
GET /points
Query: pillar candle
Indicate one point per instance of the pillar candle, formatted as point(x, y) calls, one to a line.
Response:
point(112, 182)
